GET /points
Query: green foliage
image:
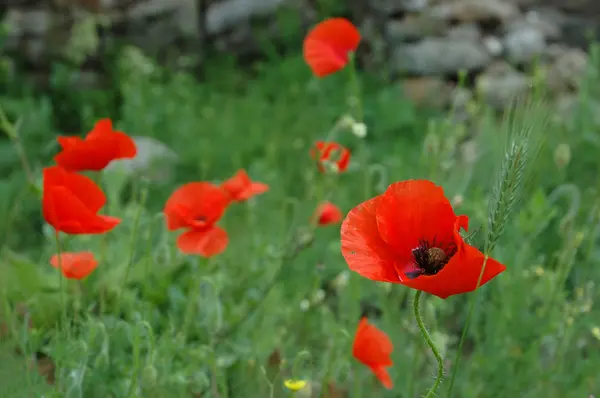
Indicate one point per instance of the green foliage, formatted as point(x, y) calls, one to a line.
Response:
point(150, 322)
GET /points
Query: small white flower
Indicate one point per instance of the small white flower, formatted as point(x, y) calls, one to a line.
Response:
point(359, 130)
point(304, 305)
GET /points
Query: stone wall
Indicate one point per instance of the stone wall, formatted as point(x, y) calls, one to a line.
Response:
point(425, 41)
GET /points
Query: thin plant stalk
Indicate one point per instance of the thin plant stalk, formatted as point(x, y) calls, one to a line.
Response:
point(523, 147)
point(191, 305)
point(61, 284)
point(12, 132)
point(431, 344)
point(132, 246)
point(298, 247)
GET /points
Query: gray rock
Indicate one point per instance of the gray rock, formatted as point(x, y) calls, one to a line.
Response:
point(493, 45)
point(469, 32)
point(154, 161)
point(389, 7)
point(412, 28)
point(430, 92)
point(466, 11)
point(523, 42)
point(500, 84)
point(227, 14)
point(567, 72)
point(548, 20)
point(439, 56)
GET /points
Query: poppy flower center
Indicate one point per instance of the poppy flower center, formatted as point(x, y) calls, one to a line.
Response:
point(430, 259)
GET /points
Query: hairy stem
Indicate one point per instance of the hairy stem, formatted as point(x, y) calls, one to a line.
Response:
point(431, 344)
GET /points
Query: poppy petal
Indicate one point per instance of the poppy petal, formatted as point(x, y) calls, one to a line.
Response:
point(87, 155)
point(413, 211)
point(240, 187)
point(101, 129)
point(344, 160)
point(101, 146)
point(327, 213)
point(74, 265)
point(373, 348)
point(82, 187)
point(371, 345)
point(196, 204)
point(326, 46)
point(364, 251)
point(68, 142)
point(460, 275)
point(206, 243)
point(68, 214)
point(383, 376)
point(124, 145)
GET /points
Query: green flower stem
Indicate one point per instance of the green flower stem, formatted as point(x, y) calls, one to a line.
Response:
point(355, 100)
point(11, 130)
point(358, 113)
point(61, 285)
point(132, 247)
point(431, 344)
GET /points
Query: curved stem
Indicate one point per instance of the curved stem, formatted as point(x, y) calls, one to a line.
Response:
point(431, 344)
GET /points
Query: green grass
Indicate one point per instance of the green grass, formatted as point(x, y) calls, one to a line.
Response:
point(530, 333)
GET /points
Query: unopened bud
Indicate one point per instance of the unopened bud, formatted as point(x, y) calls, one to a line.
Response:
point(562, 156)
point(431, 145)
point(149, 376)
point(318, 297)
point(457, 201)
point(341, 280)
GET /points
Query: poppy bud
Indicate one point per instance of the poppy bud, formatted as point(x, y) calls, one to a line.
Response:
point(579, 237)
point(457, 201)
point(149, 376)
point(341, 280)
point(318, 297)
point(562, 156)
point(431, 145)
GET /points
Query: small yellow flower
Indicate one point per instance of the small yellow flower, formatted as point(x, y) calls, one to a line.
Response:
point(295, 385)
point(539, 271)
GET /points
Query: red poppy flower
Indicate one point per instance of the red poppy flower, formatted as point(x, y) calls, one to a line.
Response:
point(373, 348)
point(197, 206)
point(240, 187)
point(327, 45)
point(70, 203)
point(101, 146)
point(409, 235)
point(75, 265)
point(328, 213)
point(332, 154)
